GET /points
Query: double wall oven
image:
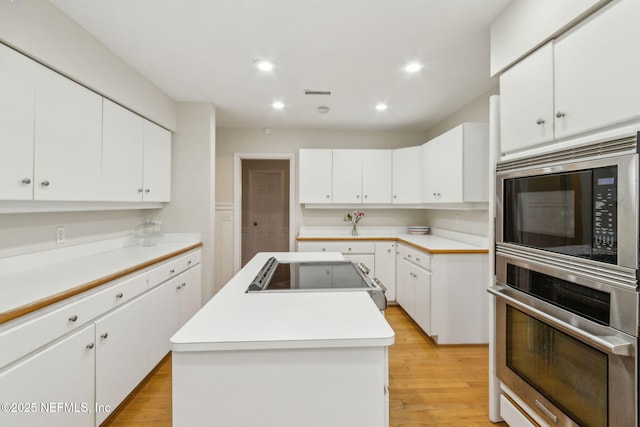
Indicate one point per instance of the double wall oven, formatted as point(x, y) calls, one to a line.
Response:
point(566, 283)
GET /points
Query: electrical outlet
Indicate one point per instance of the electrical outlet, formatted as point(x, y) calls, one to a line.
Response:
point(60, 234)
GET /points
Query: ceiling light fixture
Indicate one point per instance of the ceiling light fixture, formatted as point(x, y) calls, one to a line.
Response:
point(413, 67)
point(278, 105)
point(381, 107)
point(264, 65)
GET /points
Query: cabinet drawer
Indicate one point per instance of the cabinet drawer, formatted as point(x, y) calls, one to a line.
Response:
point(345, 247)
point(46, 325)
point(417, 257)
point(173, 267)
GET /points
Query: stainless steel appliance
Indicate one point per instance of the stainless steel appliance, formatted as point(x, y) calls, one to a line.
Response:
point(580, 202)
point(566, 344)
point(316, 276)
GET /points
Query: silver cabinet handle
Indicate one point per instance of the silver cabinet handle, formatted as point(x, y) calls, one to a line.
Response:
point(140, 190)
point(328, 196)
point(434, 194)
point(178, 287)
point(395, 197)
point(547, 412)
point(189, 262)
point(417, 259)
point(147, 190)
point(90, 345)
point(45, 183)
point(324, 249)
point(183, 285)
point(119, 295)
point(540, 121)
point(357, 196)
point(408, 255)
point(366, 196)
point(26, 181)
point(560, 114)
point(73, 318)
point(105, 335)
point(172, 271)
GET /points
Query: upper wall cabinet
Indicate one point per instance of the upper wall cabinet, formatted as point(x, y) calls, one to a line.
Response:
point(526, 101)
point(17, 110)
point(361, 176)
point(584, 81)
point(63, 142)
point(597, 69)
point(456, 165)
point(407, 175)
point(315, 176)
point(68, 139)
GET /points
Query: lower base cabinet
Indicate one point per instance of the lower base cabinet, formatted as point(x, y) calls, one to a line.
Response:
point(82, 377)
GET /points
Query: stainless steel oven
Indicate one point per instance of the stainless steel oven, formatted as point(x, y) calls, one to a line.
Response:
point(581, 203)
point(566, 343)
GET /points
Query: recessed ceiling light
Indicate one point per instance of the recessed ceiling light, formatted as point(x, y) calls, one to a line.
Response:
point(413, 67)
point(264, 65)
point(278, 105)
point(381, 107)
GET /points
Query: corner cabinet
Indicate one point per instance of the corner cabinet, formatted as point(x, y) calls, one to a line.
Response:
point(456, 165)
point(66, 143)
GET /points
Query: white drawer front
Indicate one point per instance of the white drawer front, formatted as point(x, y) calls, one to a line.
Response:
point(417, 257)
point(46, 325)
point(173, 267)
point(346, 247)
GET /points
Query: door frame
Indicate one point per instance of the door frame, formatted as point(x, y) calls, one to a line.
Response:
point(237, 198)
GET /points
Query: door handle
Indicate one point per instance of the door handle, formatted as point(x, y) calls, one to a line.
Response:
point(255, 223)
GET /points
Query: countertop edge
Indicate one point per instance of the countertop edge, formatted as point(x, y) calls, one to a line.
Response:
point(394, 239)
point(37, 305)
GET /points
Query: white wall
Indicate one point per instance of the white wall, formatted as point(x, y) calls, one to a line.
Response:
point(192, 206)
point(42, 31)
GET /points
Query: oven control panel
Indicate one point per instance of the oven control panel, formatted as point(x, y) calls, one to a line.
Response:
point(605, 213)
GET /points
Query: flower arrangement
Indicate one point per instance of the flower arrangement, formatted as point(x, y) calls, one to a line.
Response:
point(354, 217)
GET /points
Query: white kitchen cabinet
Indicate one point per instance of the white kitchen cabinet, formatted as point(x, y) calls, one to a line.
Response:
point(376, 176)
point(54, 386)
point(385, 263)
point(315, 176)
point(456, 165)
point(156, 182)
point(68, 139)
point(407, 175)
point(347, 176)
point(17, 111)
point(122, 154)
point(526, 102)
point(190, 298)
point(121, 354)
point(414, 288)
point(596, 71)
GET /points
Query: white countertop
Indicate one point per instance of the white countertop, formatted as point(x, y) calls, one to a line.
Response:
point(45, 278)
point(235, 320)
point(437, 241)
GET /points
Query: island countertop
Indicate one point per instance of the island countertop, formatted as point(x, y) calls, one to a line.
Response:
point(236, 320)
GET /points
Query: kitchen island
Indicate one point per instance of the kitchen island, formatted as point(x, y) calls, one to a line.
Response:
point(282, 359)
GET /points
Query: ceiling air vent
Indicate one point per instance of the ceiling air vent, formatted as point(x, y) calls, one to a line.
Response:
point(317, 92)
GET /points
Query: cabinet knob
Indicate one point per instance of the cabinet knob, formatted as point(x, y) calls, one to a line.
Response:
point(172, 271)
point(105, 335)
point(395, 197)
point(540, 121)
point(90, 345)
point(189, 262)
point(45, 183)
point(366, 196)
point(560, 114)
point(179, 287)
point(349, 249)
point(73, 318)
point(328, 196)
point(183, 285)
point(389, 250)
point(147, 190)
point(26, 181)
point(324, 249)
point(434, 194)
point(140, 190)
point(119, 295)
point(357, 196)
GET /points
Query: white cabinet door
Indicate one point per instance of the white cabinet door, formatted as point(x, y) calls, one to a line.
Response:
point(68, 139)
point(347, 176)
point(122, 154)
point(449, 167)
point(315, 176)
point(429, 156)
point(526, 102)
point(60, 374)
point(385, 262)
point(405, 286)
point(407, 175)
point(376, 176)
point(121, 354)
point(17, 110)
point(422, 299)
point(157, 163)
point(597, 69)
point(164, 308)
point(190, 294)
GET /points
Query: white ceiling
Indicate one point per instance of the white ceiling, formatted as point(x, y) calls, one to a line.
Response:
point(203, 50)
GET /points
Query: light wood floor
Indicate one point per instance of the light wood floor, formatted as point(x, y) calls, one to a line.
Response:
point(444, 386)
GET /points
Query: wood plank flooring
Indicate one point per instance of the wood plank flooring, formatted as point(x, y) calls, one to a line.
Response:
point(429, 385)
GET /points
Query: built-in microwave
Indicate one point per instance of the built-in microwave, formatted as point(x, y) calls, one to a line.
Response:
point(582, 205)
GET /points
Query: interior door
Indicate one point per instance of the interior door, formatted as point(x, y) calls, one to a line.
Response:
point(265, 207)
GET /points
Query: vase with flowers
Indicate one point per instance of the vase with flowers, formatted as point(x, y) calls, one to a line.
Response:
point(354, 217)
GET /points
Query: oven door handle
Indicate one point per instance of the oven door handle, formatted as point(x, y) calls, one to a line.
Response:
point(609, 344)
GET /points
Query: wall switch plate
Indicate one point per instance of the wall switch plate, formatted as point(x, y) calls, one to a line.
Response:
point(60, 234)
